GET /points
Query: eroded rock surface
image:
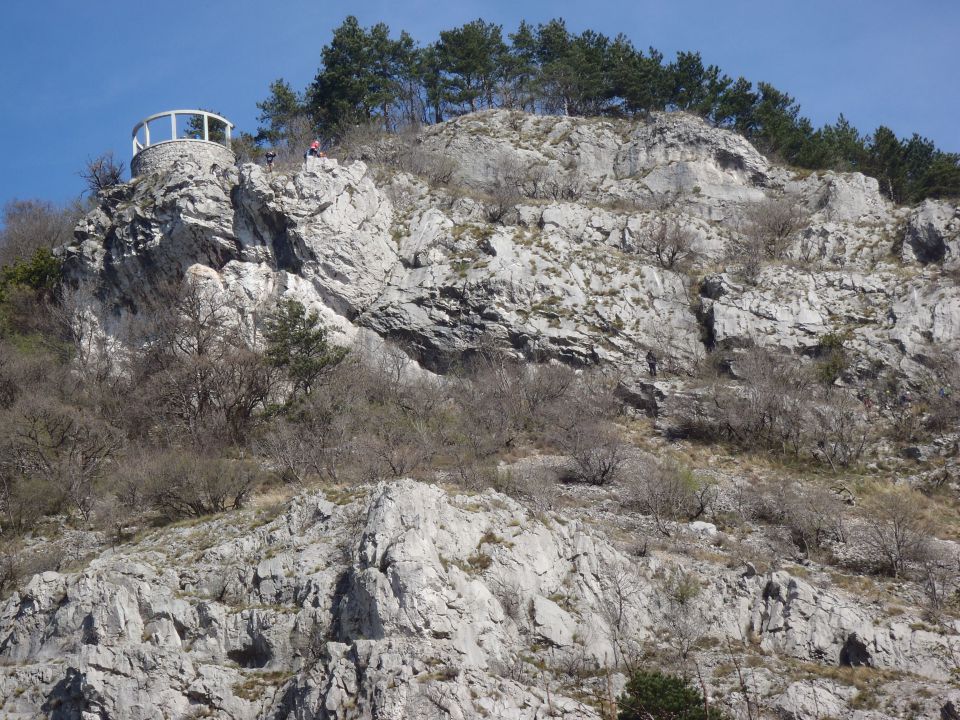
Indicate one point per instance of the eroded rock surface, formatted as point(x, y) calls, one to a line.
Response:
point(565, 269)
point(403, 601)
point(407, 601)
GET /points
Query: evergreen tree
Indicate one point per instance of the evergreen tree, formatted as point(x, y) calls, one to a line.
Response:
point(433, 83)
point(657, 696)
point(736, 107)
point(297, 343)
point(406, 71)
point(361, 78)
point(847, 149)
point(775, 117)
point(940, 179)
point(216, 129)
point(557, 75)
point(640, 81)
point(696, 88)
point(368, 76)
point(885, 162)
point(589, 62)
point(277, 112)
point(470, 60)
point(521, 69)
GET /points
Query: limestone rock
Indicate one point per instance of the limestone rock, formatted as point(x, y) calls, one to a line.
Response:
point(444, 605)
point(932, 234)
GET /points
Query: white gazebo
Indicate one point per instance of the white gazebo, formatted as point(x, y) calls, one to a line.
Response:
point(158, 141)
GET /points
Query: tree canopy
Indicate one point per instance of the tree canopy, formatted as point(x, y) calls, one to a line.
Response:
point(370, 75)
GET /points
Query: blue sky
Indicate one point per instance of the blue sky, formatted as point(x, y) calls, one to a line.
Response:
point(75, 76)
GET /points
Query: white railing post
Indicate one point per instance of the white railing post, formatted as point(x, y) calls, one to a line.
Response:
point(173, 126)
point(206, 127)
point(229, 126)
point(146, 133)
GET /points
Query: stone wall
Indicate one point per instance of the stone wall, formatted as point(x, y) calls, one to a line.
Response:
point(162, 155)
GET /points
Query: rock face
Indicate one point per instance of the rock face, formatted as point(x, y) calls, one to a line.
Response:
point(404, 601)
point(564, 266)
point(538, 235)
point(566, 272)
point(933, 234)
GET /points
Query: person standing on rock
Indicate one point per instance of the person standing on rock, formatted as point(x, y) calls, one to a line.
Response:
point(652, 363)
point(271, 156)
point(314, 150)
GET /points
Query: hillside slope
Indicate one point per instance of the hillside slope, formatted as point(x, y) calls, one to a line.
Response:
point(403, 600)
point(595, 243)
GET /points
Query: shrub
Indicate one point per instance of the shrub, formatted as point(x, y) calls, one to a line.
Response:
point(778, 406)
point(65, 448)
point(652, 695)
point(313, 439)
point(838, 432)
point(667, 491)
point(198, 379)
point(29, 225)
point(180, 483)
point(773, 225)
point(769, 230)
point(896, 530)
point(40, 274)
point(944, 394)
point(103, 172)
point(668, 241)
point(596, 451)
point(27, 291)
point(832, 358)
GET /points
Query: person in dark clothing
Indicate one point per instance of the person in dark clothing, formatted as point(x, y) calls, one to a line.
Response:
point(271, 156)
point(652, 363)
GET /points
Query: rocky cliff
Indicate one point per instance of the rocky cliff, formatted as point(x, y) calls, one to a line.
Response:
point(563, 266)
point(584, 241)
point(404, 601)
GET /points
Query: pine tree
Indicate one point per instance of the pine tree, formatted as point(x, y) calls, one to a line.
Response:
point(657, 696)
point(470, 60)
point(297, 343)
point(277, 112)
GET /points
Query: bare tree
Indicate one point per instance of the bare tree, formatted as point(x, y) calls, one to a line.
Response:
point(839, 429)
point(597, 452)
point(682, 613)
point(620, 585)
point(668, 241)
point(182, 483)
point(29, 225)
point(201, 378)
point(773, 224)
point(769, 408)
point(944, 403)
point(502, 199)
point(102, 172)
point(65, 448)
point(896, 531)
point(940, 577)
point(814, 515)
point(767, 232)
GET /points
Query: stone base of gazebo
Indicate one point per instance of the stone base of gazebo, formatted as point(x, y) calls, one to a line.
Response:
point(162, 155)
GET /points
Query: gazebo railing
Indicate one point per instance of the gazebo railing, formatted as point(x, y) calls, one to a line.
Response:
point(173, 114)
